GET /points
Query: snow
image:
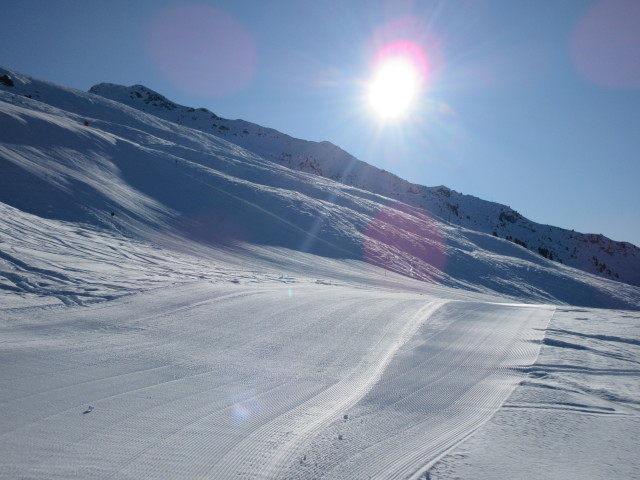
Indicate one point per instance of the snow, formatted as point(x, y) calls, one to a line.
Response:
point(183, 301)
point(230, 380)
point(596, 254)
point(575, 416)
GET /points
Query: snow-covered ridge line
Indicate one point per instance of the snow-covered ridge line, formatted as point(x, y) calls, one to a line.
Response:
point(77, 157)
point(595, 254)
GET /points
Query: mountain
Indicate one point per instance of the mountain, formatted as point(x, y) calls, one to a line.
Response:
point(177, 301)
point(126, 160)
point(592, 253)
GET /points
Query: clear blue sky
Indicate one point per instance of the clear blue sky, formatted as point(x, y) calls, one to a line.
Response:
point(534, 104)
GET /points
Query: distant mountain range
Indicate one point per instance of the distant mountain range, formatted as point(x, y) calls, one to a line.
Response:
point(129, 161)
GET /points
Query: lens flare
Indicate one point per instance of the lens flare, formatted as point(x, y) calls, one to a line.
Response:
point(407, 241)
point(202, 50)
point(605, 44)
point(246, 404)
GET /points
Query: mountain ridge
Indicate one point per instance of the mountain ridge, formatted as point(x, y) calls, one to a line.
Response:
point(78, 157)
point(594, 253)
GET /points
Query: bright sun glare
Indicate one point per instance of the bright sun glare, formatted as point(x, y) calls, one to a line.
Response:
point(394, 87)
point(399, 72)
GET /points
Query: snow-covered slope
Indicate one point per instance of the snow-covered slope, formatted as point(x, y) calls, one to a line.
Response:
point(574, 416)
point(177, 304)
point(76, 156)
point(592, 253)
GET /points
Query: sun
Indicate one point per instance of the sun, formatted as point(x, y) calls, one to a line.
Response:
point(399, 72)
point(394, 88)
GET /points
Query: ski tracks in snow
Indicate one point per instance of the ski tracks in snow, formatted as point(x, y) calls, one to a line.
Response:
point(264, 382)
point(441, 386)
point(277, 443)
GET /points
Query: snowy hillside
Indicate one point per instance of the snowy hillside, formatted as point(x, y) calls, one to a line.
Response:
point(592, 253)
point(180, 300)
point(156, 176)
point(159, 177)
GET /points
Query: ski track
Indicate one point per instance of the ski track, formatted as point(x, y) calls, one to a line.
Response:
point(227, 381)
point(429, 403)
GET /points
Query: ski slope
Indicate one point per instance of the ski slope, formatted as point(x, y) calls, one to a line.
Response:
point(174, 305)
point(230, 381)
point(576, 415)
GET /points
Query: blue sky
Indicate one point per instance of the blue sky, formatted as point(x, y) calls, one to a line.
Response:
point(532, 104)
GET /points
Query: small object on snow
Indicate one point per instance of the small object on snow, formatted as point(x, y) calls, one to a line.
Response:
point(88, 410)
point(339, 437)
point(346, 417)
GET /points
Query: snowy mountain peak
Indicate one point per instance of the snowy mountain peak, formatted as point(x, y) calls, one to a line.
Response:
point(141, 97)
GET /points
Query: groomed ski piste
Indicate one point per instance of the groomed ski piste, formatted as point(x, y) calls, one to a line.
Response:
point(175, 306)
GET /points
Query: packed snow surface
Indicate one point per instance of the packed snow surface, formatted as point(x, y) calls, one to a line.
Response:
point(177, 304)
point(255, 381)
point(576, 415)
